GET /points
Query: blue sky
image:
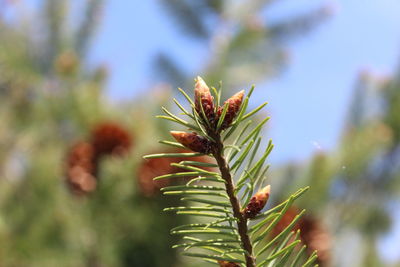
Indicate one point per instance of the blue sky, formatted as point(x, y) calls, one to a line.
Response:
point(310, 98)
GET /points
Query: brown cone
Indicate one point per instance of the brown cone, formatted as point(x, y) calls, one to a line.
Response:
point(193, 141)
point(81, 168)
point(286, 219)
point(316, 237)
point(80, 181)
point(110, 138)
point(312, 233)
point(228, 264)
point(151, 168)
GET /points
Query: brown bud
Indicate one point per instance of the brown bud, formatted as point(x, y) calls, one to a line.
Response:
point(257, 202)
point(193, 141)
point(234, 103)
point(204, 98)
point(228, 264)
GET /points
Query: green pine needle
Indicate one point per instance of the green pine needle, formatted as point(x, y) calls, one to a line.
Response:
point(209, 191)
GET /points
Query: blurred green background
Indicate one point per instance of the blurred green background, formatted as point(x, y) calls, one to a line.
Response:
point(67, 68)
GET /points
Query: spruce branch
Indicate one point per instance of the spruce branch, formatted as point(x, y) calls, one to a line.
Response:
point(230, 190)
point(240, 233)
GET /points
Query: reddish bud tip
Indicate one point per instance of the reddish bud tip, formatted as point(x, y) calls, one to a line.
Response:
point(193, 141)
point(228, 264)
point(234, 103)
point(257, 202)
point(203, 98)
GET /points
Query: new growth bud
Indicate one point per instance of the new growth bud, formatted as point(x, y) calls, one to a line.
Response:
point(234, 103)
point(228, 264)
point(203, 98)
point(193, 141)
point(257, 203)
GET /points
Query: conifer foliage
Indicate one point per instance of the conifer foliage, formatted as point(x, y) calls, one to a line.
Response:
point(229, 226)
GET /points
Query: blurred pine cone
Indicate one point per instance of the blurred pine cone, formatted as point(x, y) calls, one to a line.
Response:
point(316, 237)
point(81, 168)
point(83, 158)
point(110, 139)
point(312, 233)
point(228, 264)
point(287, 218)
point(80, 181)
point(151, 168)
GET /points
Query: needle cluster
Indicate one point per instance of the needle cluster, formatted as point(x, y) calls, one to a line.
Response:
point(230, 226)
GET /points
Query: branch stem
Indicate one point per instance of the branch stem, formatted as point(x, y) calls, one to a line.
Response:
point(230, 190)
